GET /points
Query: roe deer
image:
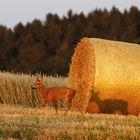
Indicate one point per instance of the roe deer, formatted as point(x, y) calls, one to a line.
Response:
point(53, 94)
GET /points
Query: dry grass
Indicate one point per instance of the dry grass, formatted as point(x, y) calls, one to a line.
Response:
point(17, 88)
point(27, 123)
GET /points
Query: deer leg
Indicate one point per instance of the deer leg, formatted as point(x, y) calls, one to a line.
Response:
point(68, 105)
point(42, 103)
point(67, 109)
point(55, 105)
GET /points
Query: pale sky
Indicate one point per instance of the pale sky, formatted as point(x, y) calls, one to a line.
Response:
point(14, 11)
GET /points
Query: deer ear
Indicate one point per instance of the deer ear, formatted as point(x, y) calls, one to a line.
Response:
point(41, 77)
point(37, 77)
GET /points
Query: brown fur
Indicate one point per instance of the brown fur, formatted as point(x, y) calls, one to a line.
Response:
point(52, 95)
point(92, 107)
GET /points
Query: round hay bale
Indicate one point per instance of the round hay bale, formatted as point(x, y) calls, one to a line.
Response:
point(109, 69)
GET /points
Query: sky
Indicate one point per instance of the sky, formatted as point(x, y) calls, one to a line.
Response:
point(14, 11)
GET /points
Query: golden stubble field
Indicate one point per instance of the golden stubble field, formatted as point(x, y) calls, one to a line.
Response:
point(29, 123)
point(19, 119)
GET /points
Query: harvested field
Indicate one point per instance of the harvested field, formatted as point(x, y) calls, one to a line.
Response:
point(19, 122)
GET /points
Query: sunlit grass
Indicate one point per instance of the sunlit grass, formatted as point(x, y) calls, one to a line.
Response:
point(17, 88)
point(22, 122)
point(19, 120)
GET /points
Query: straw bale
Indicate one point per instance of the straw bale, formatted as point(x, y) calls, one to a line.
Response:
point(111, 69)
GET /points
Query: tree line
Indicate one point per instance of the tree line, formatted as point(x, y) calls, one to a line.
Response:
point(47, 46)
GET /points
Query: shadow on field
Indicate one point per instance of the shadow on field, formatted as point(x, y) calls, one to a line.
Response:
point(111, 106)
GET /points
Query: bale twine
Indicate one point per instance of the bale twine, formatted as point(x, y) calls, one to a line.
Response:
point(109, 69)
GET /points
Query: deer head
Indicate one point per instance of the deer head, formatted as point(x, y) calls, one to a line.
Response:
point(38, 82)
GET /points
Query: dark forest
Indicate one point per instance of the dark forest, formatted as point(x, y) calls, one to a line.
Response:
point(47, 46)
